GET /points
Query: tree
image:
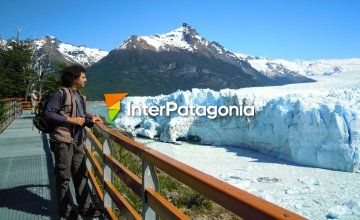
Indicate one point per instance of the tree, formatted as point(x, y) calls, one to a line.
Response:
point(4, 80)
point(15, 67)
point(22, 71)
point(51, 82)
point(40, 69)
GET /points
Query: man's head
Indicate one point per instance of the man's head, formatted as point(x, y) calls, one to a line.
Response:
point(74, 76)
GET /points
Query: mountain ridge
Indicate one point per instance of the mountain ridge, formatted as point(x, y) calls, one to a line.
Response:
point(179, 59)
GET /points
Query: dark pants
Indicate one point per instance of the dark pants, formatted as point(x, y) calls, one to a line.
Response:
point(70, 161)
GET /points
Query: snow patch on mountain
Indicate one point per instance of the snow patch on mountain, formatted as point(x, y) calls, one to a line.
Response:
point(351, 64)
point(79, 54)
point(83, 55)
point(175, 38)
point(310, 68)
point(39, 43)
point(242, 56)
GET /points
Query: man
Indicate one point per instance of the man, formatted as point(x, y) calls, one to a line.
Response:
point(67, 110)
point(34, 100)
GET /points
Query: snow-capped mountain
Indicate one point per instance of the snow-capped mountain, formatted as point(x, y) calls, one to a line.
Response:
point(57, 51)
point(187, 38)
point(183, 38)
point(277, 67)
point(179, 59)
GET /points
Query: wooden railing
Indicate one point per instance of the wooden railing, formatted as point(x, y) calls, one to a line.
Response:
point(239, 202)
point(25, 103)
point(10, 109)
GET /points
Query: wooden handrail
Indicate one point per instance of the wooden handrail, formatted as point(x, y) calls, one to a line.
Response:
point(98, 169)
point(26, 103)
point(23, 99)
point(11, 109)
point(7, 99)
point(240, 202)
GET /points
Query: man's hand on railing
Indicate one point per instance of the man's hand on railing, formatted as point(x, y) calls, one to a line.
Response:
point(76, 120)
point(96, 119)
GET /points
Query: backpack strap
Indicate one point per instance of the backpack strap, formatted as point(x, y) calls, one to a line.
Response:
point(72, 101)
point(63, 100)
point(82, 100)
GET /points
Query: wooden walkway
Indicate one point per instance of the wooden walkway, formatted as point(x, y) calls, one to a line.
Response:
point(27, 186)
point(27, 189)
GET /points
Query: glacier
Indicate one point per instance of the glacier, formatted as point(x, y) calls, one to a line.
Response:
point(313, 124)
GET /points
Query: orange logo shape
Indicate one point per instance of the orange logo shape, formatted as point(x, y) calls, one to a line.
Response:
point(112, 102)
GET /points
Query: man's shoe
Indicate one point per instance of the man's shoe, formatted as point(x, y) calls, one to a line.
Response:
point(92, 212)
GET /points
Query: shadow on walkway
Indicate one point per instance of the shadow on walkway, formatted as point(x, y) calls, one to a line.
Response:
point(26, 199)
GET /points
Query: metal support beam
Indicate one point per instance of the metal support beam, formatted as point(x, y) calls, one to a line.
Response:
point(149, 180)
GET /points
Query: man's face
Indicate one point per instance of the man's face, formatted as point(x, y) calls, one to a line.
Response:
point(80, 82)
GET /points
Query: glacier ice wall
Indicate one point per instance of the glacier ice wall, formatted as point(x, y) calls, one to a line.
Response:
point(315, 127)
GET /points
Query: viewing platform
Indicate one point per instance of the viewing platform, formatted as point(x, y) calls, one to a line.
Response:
point(27, 186)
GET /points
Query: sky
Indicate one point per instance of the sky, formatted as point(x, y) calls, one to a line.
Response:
point(297, 29)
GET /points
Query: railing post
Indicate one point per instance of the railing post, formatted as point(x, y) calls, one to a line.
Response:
point(19, 108)
point(88, 145)
point(11, 112)
point(108, 175)
point(149, 180)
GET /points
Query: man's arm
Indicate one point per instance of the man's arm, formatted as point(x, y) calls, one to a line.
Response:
point(53, 108)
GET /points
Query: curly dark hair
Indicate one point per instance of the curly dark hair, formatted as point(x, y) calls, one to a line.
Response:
point(71, 73)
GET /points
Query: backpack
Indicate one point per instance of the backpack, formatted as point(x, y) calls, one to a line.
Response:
point(40, 120)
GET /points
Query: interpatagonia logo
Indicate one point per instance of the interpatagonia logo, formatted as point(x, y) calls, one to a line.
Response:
point(113, 104)
point(112, 101)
